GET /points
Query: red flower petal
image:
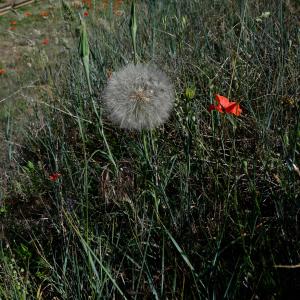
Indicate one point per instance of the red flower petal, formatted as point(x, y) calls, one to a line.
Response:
point(54, 176)
point(222, 100)
point(2, 71)
point(211, 107)
point(230, 107)
point(215, 107)
point(85, 13)
point(234, 108)
point(45, 41)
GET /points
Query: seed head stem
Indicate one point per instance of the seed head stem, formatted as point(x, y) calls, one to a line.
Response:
point(84, 52)
point(133, 29)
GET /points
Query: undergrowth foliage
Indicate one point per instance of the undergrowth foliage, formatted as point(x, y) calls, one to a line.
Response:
point(202, 207)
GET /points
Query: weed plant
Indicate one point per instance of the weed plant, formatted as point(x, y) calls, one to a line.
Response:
point(203, 207)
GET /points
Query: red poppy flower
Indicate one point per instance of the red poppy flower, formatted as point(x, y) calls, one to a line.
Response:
point(27, 14)
point(2, 71)
point(45, 41)
point(12, 28)
point(13, 22)
point(224, 105)
point(54, 176)
point(86, 13)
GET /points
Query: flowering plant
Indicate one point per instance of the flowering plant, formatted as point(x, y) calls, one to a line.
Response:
point(226, 106)
point(139, 96)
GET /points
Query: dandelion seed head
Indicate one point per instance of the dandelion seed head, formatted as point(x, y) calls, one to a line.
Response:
point(138, 96)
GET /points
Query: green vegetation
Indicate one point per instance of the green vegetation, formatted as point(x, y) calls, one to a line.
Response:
point(204, 207)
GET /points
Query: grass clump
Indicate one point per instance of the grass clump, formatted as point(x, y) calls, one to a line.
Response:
point(203, 207)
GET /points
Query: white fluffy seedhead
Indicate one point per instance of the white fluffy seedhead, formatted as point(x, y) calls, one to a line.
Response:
point(138, 96)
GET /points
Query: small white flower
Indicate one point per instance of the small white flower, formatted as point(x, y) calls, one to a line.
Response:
point(138, 96)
